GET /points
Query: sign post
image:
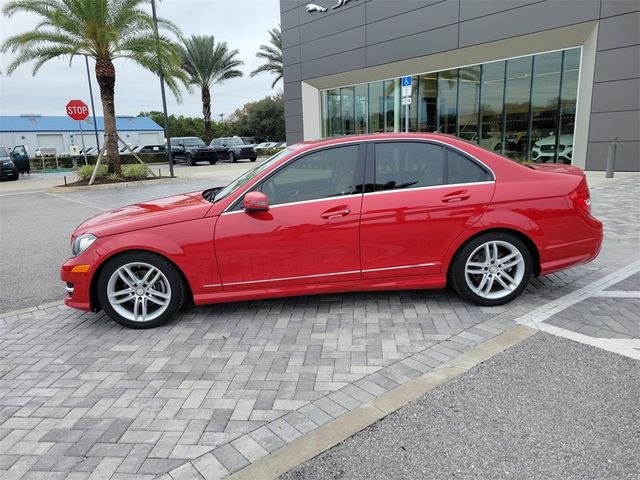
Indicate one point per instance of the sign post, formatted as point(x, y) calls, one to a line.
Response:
point(79, 111)
point(406, 100)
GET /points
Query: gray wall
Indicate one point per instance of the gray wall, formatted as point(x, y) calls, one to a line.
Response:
point(365, 33)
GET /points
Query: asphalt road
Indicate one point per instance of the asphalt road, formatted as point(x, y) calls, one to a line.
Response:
point(36, 227)
point(548, 408)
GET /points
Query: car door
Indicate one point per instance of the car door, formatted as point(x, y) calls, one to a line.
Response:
point(424, 196)
point(310, 234)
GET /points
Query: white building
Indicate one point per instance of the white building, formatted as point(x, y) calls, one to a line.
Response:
point(59, 133)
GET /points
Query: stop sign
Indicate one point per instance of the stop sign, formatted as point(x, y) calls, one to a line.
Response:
point(77, 110)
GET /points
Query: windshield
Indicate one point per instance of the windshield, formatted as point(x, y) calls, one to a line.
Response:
point(234, 141)
point(3, 152)
point(242, 179)
point(193, 142)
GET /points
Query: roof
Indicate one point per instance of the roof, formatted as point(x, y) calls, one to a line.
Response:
point(37, 123)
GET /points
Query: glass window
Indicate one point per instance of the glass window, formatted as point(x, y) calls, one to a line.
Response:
point(328, 173)
point(408, 165)
point(491, 105)
point(391, 104)
point(447, 101)
point(347, 107)
point(568, 98)
point(468, 100)
point(376, 107)
point(544, 105)
point(325, 114)
point(335, 123)
point(461, 169)
point(428, 103)
point(516, 107)
point(361, 106)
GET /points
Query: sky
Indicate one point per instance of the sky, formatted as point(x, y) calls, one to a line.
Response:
point(243, 24)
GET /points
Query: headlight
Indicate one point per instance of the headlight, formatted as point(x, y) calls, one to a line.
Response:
point(81, 243)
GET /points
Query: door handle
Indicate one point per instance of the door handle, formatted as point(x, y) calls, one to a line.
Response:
point(457, 196)
point(330, 214)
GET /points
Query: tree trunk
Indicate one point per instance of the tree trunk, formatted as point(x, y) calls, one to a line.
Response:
point(206, 112)
point(106, 76)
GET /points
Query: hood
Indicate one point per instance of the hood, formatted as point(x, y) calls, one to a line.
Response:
point(154, 213)
point(565, 139)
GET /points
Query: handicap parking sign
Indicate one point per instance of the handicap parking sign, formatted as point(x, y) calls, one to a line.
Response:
point(406, 81)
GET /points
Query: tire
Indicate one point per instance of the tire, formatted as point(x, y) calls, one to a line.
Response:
point(188, 159)
point(213, 162)
point(493, 284)
point(253, 159)
point(232, 157)
point(158, 302)
point(15, 177)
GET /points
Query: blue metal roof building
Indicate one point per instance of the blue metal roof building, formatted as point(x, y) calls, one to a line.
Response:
point(61, 132)
point(38, 123)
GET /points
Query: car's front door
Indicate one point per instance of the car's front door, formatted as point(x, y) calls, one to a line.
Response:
point(425, 195)
point(309, 235)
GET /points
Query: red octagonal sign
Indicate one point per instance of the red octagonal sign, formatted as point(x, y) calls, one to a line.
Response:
point(77, 110)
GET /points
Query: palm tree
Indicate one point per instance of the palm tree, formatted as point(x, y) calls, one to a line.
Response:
point(273, 56)
point(208, 64)
point(105, 30)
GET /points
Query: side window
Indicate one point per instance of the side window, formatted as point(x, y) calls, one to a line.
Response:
point(329, 173)
point(464, 170)
point(408, 165)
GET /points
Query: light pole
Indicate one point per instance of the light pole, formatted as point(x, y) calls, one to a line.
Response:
point(93, 107)
point(164, 98)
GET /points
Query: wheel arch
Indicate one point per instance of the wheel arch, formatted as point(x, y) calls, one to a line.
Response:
point(93, 286)
point(533, 248)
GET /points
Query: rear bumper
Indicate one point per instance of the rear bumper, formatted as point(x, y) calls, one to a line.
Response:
point(589, 231)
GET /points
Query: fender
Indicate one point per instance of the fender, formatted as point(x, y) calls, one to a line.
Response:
point(195, 259)
point(494, 219)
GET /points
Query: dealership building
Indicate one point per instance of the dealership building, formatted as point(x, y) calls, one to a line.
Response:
point(59, 133)
point(550, 80)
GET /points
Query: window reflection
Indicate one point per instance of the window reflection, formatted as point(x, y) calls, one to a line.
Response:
point(522, 107)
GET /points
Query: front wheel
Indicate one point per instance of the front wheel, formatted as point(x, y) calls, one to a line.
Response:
point(491, 269)
point(189, 160)
point(213, 162)
point(140, 290)
point(232, 157)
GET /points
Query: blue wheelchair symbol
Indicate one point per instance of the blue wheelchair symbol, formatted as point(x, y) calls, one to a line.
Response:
point(406, 81)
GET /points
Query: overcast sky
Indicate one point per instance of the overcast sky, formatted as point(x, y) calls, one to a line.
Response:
point(243, 24)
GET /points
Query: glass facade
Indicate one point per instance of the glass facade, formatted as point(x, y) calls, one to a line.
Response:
point(523, 107)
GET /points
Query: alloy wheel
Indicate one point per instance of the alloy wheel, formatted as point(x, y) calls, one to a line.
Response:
point(494, 269)
point(139, 292)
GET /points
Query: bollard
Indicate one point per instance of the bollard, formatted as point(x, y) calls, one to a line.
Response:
point(611, 157)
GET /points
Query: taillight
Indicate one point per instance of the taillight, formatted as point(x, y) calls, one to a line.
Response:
point(581, 197)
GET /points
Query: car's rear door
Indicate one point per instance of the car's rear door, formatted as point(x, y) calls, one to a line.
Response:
point(425, 195)
point(310, 233)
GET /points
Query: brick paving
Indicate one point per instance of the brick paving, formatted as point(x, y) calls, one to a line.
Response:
point(224, 385)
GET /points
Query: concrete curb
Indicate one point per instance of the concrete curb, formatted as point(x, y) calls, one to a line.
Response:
point(22, 311)
point(110, 186)
point(323, 438)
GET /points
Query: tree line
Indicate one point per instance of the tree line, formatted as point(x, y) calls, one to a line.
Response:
point(108, 30)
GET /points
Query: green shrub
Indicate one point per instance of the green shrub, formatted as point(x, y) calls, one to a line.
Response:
point(85, 172)
point(268, 151)
point(135, 171)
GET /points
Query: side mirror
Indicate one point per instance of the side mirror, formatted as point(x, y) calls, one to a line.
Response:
point(255, 202)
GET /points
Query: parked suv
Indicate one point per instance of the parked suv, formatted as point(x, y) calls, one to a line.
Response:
point(233, 149)
point(8, 169)
point(192, 150)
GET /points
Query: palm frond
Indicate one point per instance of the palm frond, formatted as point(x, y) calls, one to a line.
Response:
point(273, 56)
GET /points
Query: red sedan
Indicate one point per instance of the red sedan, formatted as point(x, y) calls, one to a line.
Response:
point(374, 212)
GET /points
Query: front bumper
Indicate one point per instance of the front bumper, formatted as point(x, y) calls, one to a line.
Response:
point(8, 172)
point(77, 280)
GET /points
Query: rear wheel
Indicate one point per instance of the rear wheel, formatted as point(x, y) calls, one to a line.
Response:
point(140, 290)
point(213, 162)
point(188, 159)
point(492, 269)
point(232, 157)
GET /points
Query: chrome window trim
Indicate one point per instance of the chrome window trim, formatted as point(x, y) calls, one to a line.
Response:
point(381, 140)
point(488, 182)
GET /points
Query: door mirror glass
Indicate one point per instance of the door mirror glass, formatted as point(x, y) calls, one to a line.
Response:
point(255, 202)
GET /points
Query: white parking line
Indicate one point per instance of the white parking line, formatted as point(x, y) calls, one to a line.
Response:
point(627, 347)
